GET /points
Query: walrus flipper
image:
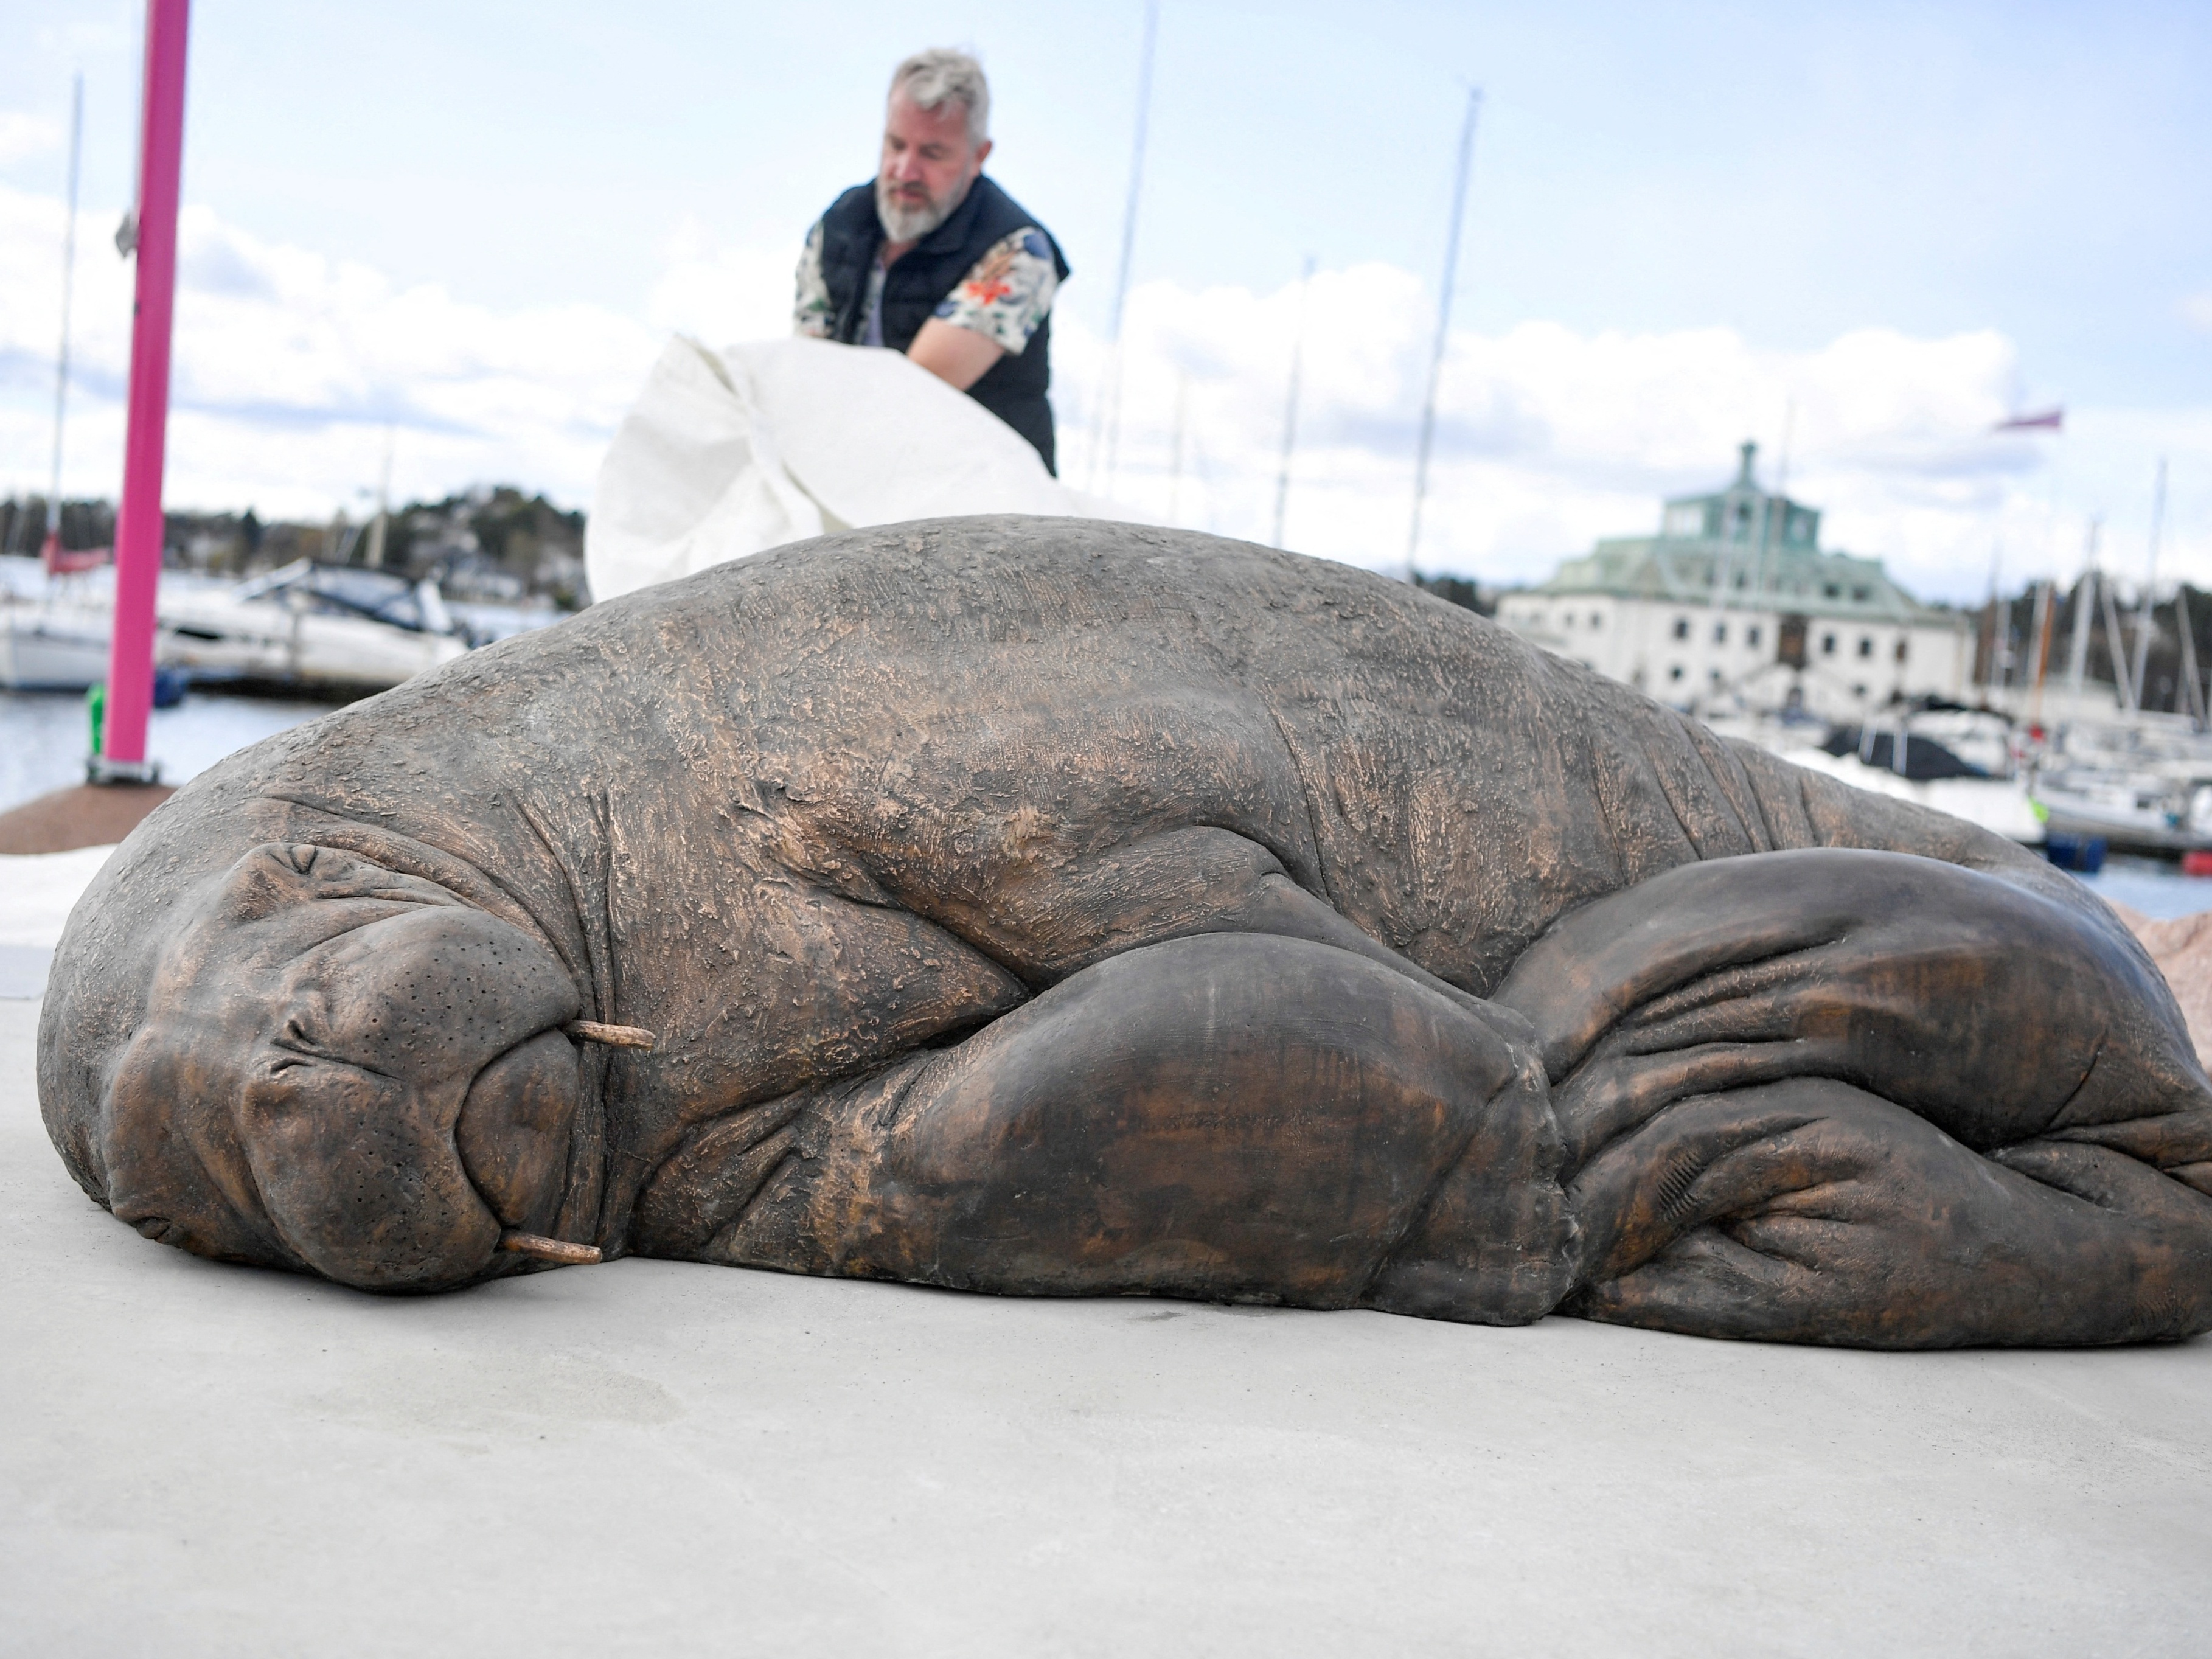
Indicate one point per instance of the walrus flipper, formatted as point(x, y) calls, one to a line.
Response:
point(1871, 1098)
point(1229, 1117)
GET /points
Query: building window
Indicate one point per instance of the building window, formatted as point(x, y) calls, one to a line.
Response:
point(1862, 594)
point(1681, 628)
point(1830, 591)
point(1597, 619)
point(1676, 672)
point(1751, 636)
point(1901, 653)
point(1858, 691)
point(1866, 645)
point(1720, 633)
point(1566, 619)
point(1827, 645)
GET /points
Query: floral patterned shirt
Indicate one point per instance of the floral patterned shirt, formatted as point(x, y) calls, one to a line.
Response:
point(1004, 297)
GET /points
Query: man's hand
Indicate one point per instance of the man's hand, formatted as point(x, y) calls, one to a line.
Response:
point(958, 356)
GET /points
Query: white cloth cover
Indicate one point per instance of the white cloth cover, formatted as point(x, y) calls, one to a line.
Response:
point(727, 453)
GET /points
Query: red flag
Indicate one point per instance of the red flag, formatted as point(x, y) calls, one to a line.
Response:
point(2051, 420)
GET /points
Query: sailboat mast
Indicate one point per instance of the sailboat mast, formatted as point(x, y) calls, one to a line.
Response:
point(375, 559)
point(1291, 401)
point(2116, 647)
point(1993, 642)
point(1444, 329)
point(62, 357)
point(2146, 618)
point(1107, 426)
point(2085, 597)
point(2190, 701)
point(2046, 602)
point(1174, 458)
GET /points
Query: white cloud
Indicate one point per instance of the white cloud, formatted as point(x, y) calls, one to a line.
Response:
point(1547, 438)
point(2197, 310)
point(720, 293)
point(22, 135)
point(289, 366)
point(87, 37)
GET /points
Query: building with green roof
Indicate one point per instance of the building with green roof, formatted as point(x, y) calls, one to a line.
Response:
point(1735, 604)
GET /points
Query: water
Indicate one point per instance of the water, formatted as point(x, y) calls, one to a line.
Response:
point(43, 736)
point(2153, 886)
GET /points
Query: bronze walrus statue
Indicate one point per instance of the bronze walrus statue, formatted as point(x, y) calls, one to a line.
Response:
point(1046, 907)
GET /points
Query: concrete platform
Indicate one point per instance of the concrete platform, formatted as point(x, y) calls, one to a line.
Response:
point(654, 1459)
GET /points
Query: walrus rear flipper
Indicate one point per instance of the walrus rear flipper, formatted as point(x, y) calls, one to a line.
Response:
point(1870, 1099)
point(1812, 1212)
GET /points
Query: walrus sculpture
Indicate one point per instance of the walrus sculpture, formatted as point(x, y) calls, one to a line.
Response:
point(1056, 907)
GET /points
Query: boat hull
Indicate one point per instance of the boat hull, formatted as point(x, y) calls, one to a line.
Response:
point(38, 653)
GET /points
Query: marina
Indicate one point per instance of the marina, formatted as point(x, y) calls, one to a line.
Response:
point(1735, 612)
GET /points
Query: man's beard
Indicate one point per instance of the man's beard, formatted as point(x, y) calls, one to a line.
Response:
point(904, 223)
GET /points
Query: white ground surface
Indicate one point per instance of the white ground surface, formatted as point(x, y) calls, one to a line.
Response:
point(647, 1458)
point(37, 892)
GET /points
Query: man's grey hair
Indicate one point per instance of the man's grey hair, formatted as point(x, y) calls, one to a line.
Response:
point(930, 78)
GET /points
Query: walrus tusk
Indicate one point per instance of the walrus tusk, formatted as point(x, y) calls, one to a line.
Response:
point(551, 1249)
point(619, 1036)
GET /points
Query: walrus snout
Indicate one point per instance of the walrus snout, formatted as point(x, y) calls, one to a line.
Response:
point(428, 1097)
point(346, 1071)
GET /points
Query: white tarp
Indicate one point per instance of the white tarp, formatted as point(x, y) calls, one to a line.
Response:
point(728, 453)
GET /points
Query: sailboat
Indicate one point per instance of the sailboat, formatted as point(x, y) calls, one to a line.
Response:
point(47, 643)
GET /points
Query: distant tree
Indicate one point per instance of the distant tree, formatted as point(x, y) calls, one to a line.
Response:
point(1458, 590)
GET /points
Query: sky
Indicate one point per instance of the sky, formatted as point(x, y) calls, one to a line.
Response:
point(1859, 235)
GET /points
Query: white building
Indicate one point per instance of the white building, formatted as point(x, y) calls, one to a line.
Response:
point(1734, 604)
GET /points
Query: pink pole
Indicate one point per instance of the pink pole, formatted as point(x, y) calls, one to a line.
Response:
point(139, 528)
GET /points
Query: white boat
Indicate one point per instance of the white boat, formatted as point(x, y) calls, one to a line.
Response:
point(332, 629)
point(2141, 811)
point(1979, 779)
point(2001, 806)
point(52, 647)
point(307, 627)
point(2144, 783)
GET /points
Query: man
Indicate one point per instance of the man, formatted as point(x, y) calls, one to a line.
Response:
point(934, 259)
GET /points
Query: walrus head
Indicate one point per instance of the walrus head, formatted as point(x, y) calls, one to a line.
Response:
point(340, 1068)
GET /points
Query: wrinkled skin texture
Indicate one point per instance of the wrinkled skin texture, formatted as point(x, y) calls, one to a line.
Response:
point(1050, 908)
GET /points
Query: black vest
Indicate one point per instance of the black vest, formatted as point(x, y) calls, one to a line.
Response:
point(1014, 387)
